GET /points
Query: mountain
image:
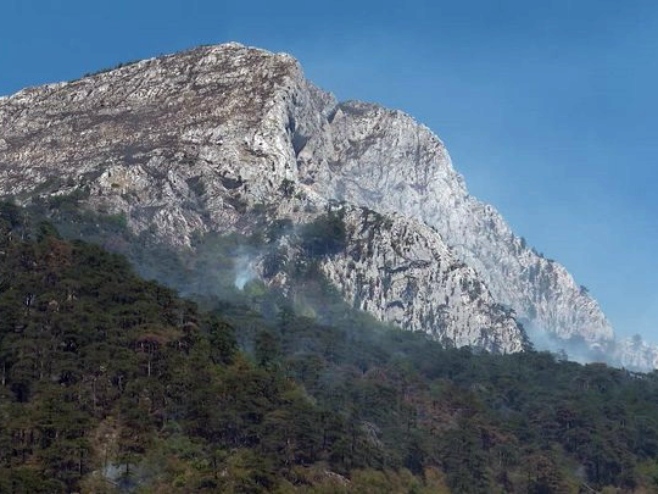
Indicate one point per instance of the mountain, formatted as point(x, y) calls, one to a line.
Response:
point(210, 139)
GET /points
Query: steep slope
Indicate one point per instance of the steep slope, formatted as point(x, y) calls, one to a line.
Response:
point(399, 271)
point(113, 384)
point(164, 140)
point(384, 160)
point(202, 140)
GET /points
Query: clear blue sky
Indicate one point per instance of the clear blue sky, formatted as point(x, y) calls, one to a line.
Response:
point(548, 108)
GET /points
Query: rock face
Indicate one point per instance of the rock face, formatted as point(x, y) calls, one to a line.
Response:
point(384, 160)
point(400, 271)
point(191, 142)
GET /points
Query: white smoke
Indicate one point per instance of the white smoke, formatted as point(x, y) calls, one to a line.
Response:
point(244, 271)
point(574, 350)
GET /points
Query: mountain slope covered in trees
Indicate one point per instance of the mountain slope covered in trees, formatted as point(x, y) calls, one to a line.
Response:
point(115, 384)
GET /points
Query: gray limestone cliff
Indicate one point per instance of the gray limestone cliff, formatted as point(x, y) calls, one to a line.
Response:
point(190, 143)
point(386, 161)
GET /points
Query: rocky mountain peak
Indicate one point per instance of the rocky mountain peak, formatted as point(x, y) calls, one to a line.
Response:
point(195, 142)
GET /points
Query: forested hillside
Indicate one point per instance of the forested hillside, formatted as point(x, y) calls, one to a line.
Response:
point(109, 383)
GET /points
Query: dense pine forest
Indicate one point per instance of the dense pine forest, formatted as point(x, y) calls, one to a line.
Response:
point(110, 383)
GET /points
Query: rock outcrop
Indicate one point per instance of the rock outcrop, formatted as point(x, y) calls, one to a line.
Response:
point(400, 271)
point(386, 161)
